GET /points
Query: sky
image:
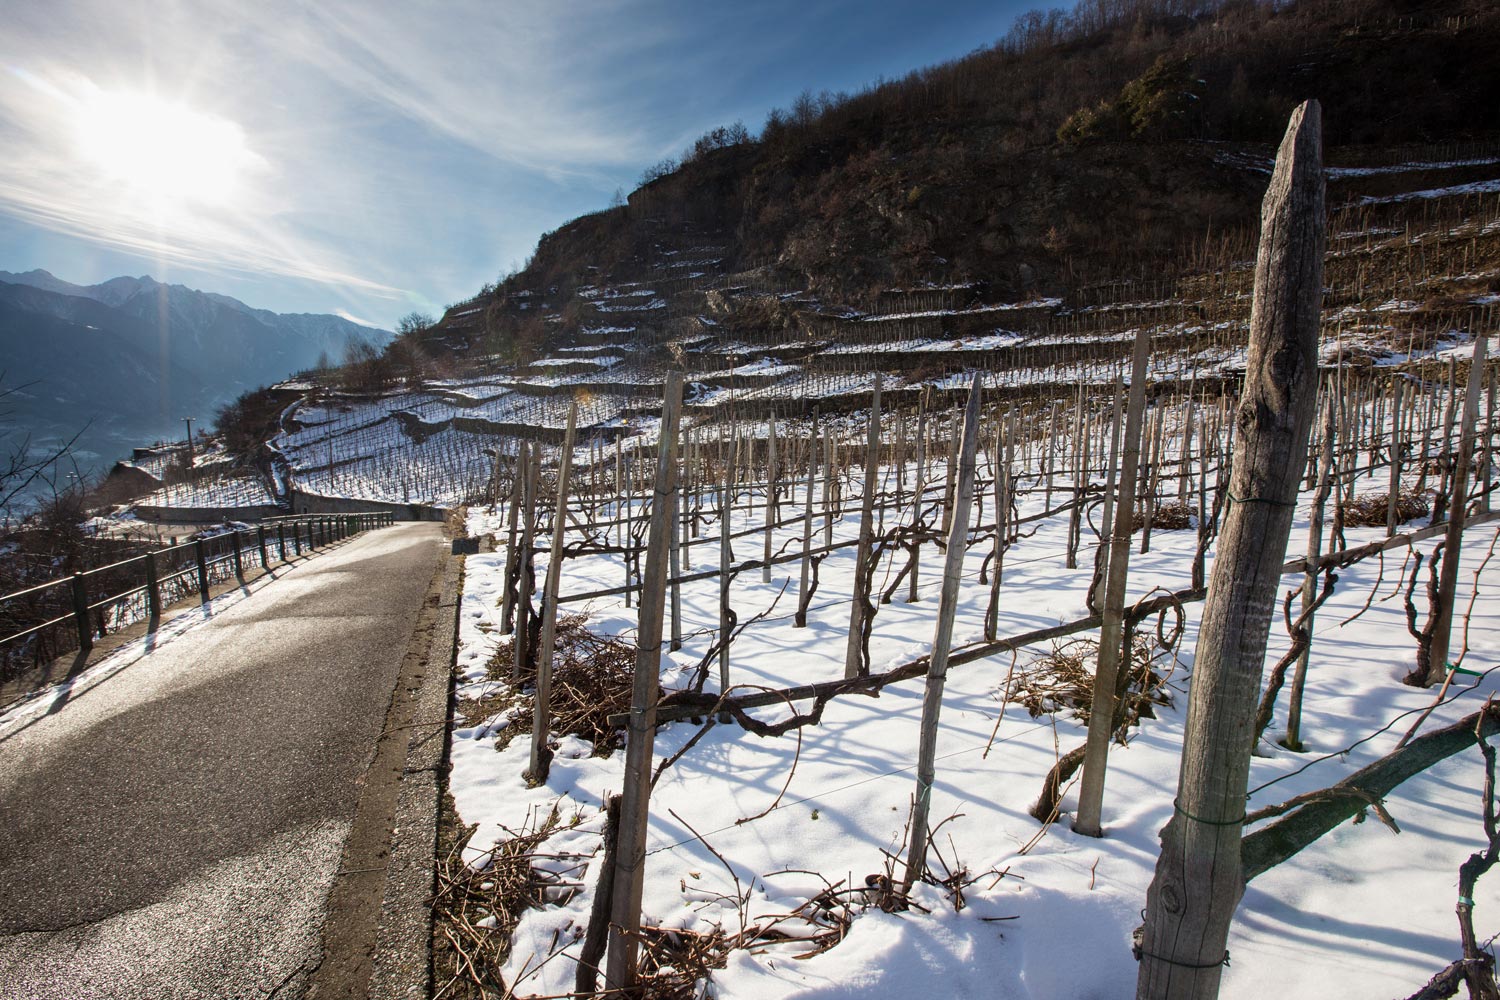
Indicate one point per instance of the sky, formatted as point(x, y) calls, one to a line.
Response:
point(377, 158)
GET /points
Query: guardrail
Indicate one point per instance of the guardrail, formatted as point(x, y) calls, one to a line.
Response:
point(51, 619)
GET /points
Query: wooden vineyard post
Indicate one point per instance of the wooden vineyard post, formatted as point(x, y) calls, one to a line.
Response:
point(1002, 528)
point(932, 698)
point(1487, 467)
point(1198, 880)
point(726, 558)
point(1107, 509)
point(1458, 502)
point(630, 849)
point(677, 543)
point(771, 505)
point(1394, 496)
point(508, 597)
point(800, 620)
point(828, 501)
point(541, 756)
point(1293, 739)
point(1111, 634)
point(521, 645)
point(916, 498)
point(854, 665)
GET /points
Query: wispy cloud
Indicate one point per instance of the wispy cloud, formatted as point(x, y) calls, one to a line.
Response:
point(403, 152)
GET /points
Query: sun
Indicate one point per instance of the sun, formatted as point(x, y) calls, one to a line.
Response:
point(163, 153)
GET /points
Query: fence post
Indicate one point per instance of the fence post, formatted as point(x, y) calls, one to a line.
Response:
point(541, 756)
point(937, 672)
point(153, 591)
point(1107, 670)
point(81, 613)
point(260, 541)
point(508, 596)
point(1199, 880)
point(854, 661)
point(630, 851)
point(239, 562)
point(1458, 510)
point(202, 560)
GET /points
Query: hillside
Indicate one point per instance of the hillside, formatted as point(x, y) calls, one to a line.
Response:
point(903, 321)
point(1100, 146)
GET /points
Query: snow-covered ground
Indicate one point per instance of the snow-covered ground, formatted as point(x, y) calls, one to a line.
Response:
point(1363, 912)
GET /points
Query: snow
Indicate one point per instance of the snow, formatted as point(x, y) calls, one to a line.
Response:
point(1452, 191)
point(1321, 924)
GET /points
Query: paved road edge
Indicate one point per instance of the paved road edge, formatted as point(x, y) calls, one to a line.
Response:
point(403, 942)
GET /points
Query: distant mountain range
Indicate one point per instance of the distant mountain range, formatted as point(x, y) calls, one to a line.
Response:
point(125, 360)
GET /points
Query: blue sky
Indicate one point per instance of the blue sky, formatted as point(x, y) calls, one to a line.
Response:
point(375, 158)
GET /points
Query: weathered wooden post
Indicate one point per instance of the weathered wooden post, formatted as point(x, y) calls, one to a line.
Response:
point(771, 501)
point(937, 672)
point(854, 665)
point(525, 569)
point(541, 756)
point(1293, 739)
point(726, 555)
point(1111, 634)
point(630, 850)
point(508, 595)
point(260, 541)
point(1393, 498)
point(1458, 515)
point(800, 619)
point(1198, 879)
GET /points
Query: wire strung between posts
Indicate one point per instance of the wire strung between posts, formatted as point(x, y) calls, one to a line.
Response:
point(852, 784)
point(1208, 822)
point(1274, 503)
point(1141, 953)
point(1385, 728)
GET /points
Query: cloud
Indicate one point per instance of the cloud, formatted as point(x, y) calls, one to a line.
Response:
point(346, 314)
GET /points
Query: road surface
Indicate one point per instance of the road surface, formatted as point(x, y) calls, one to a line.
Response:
point(175, 830)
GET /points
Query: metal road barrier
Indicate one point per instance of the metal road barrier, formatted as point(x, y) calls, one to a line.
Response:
point(65, 615)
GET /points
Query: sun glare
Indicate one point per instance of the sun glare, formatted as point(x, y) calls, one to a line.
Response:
point(166, 153)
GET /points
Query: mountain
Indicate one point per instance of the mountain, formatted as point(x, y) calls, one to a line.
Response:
point(124, 360)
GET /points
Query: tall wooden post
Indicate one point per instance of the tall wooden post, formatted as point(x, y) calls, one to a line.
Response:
point(1393, 497)
point(800, 620)
point(1293, 739)
point(630, 851)
point(508, 596)
point(726, 555)
point(1111, 635)
point(1458, 502)
point(1198, 879)
point(854, 665)
point(942, 640)
point(541, 756)
point(771, 502)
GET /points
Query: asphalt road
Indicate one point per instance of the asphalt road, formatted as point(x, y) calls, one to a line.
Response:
point(174, 831)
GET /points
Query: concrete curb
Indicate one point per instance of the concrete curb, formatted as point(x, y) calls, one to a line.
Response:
point(403, 939)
